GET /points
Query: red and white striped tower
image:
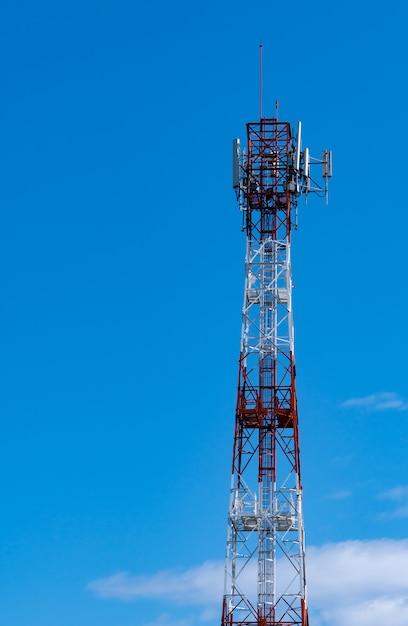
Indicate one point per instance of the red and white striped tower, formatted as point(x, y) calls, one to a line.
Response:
point(265, 581)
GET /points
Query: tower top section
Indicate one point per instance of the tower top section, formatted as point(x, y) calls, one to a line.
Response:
point(274, 165)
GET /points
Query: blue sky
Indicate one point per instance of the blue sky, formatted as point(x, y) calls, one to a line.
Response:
point(122, 277)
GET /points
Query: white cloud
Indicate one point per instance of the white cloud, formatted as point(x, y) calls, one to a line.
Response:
point(356, 570)
point(381, 401)
point(382, 610)
point(357, 583)
point(354, 583)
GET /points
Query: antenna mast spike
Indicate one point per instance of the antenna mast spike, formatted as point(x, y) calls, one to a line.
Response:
point(260, 81)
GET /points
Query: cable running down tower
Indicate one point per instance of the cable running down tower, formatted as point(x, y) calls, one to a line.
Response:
point(265, 581)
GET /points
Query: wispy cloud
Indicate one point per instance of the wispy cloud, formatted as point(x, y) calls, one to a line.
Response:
point(354, 583)
point(398, 496)
point(197, 585)
point(341, 494)
point(166, 620)
point(381, 401)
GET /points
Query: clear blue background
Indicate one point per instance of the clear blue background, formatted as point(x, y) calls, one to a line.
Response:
point(121, 263)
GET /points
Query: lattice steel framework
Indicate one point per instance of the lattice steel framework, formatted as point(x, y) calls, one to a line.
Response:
point(265, 562)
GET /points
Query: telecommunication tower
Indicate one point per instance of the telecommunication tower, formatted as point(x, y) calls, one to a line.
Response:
point(265, 582)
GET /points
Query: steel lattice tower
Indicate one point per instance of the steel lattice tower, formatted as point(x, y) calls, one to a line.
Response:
point(265, 562)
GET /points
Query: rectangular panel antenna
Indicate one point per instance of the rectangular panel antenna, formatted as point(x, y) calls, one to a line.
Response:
point(298, 146)
point(327, 164)
point(236, 153)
